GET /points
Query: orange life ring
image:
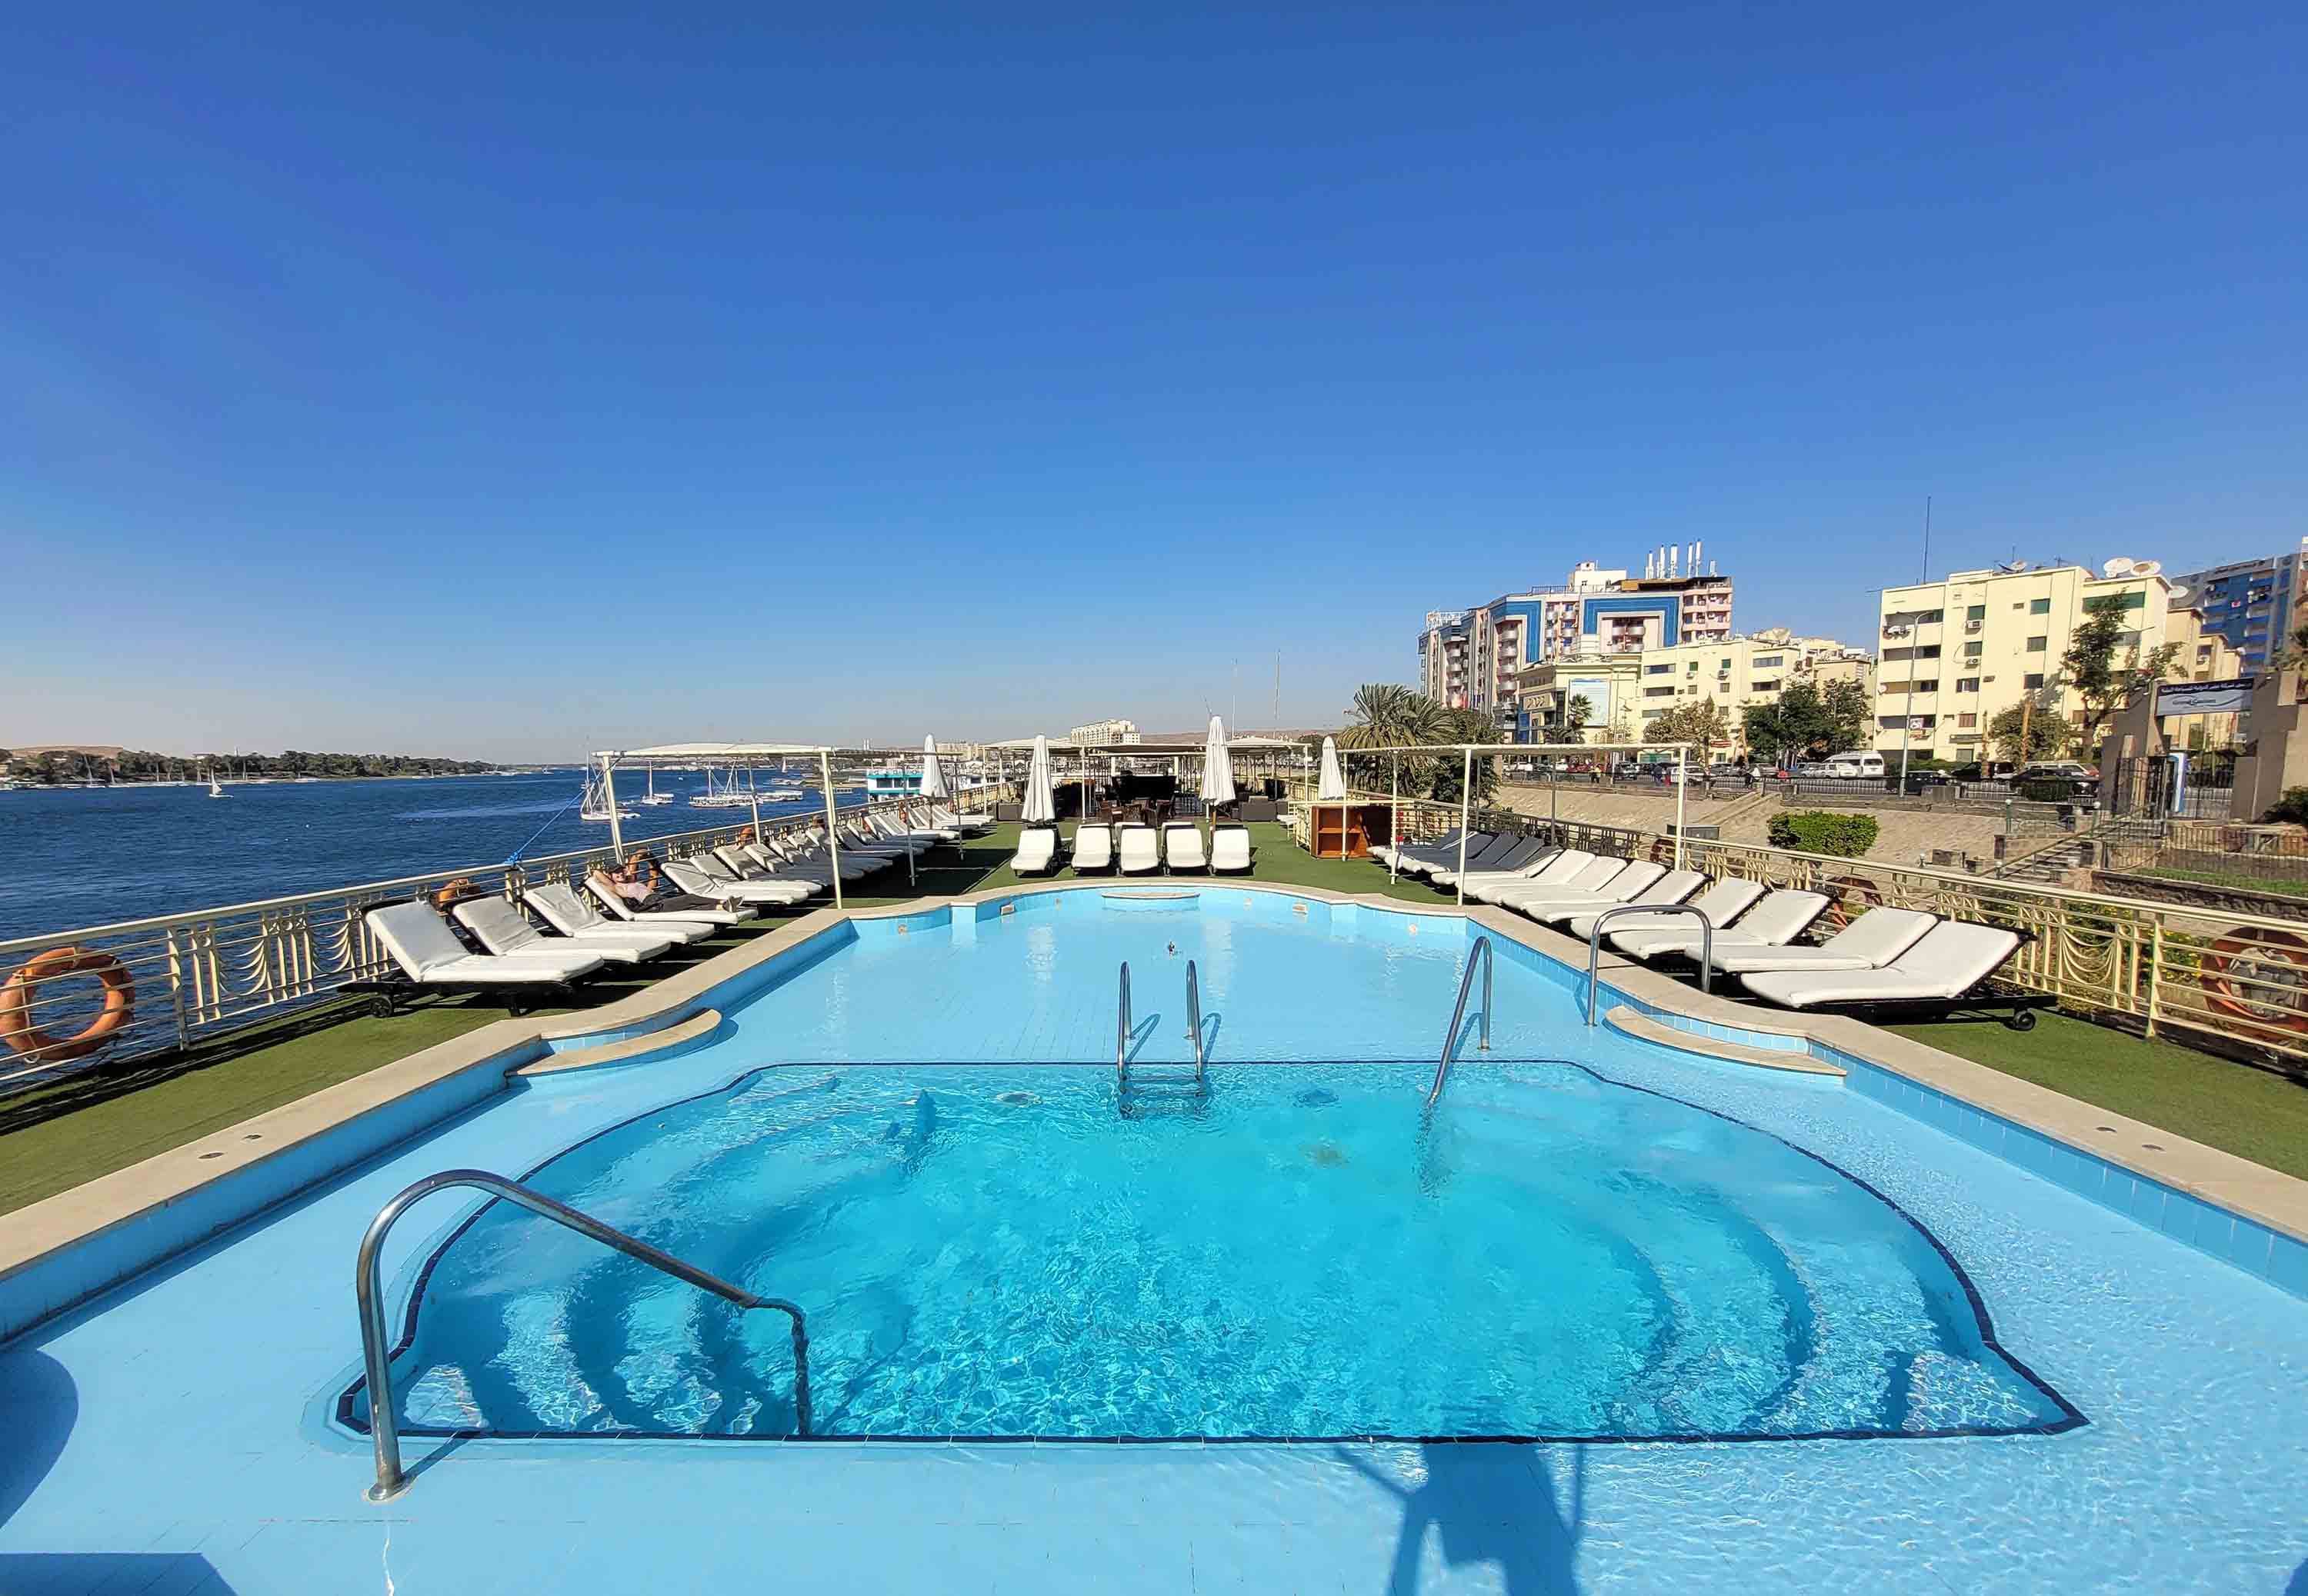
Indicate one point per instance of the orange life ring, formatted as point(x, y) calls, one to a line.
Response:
point(2260, 976)
point(16, 1028)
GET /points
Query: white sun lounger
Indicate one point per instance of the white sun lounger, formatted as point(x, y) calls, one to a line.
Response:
point(1641, 882)
point(1037, 852)
point(693, 879)
point(560, 907)
point(1546, 871)
point(506, 930)
point(1141, 852)
point(1868, 943)
point(1675, 887)
point(1946, 969)
point(598, 888)
point(1589, 882)
point(966, 825)
point(749, 864)
point(1182, 848)
point(1721, 902)
point(430, 956)
point(1230, 850)
point(1779, 919)
point(1093, 849)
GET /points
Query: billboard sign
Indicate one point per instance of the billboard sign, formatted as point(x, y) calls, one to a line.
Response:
point(2232, 697)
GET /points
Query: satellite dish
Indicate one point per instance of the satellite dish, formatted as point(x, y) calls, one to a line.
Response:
point(2117, 568)
point(2144, 568)
point(2178, 593)
point(2012, 567)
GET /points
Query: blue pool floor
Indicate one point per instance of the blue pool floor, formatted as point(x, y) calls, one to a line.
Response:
point(173, 1438)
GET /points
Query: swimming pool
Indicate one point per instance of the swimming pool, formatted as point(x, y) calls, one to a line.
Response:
point(1022, 1254)
point(1955, 1310)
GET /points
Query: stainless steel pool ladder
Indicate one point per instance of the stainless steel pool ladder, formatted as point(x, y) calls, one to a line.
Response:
point(1480, 954)
point(1123, 1027)
point(384, 1423)
point(1595, 943)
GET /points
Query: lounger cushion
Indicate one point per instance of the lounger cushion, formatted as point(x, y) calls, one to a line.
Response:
point(1952, 959)
point(1868, 943)
point(429, 953)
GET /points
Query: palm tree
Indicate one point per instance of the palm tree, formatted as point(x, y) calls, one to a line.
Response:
point(1386, 716)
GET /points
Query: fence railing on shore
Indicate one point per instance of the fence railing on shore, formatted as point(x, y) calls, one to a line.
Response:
point(2238, 980)
point(168, 982)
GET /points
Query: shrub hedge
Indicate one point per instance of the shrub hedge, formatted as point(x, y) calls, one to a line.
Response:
point(1819, 831)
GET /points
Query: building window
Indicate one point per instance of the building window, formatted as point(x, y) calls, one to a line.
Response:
point(1928, 651)
point(1771, 686)
point(2035, 645)
point(2031, 681)
point(2040, 606)
point(1966, 684)
point(1888, 687)
point(1765, 662)
point(1656, 670)
point(1659, 692)
point(1931, 686)
point(1966, 720)
point(1977, 612)
point(1971, 650)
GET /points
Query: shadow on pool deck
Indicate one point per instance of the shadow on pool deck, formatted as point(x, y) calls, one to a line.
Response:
point(1494, 1505)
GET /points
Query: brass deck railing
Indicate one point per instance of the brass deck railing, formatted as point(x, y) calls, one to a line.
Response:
point(142, 988)
point(2200, 969)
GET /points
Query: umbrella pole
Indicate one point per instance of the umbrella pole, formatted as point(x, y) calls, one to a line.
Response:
point(1681, 749)
point(832, 834)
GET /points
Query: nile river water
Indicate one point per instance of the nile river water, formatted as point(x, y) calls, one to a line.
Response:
point(94, 856)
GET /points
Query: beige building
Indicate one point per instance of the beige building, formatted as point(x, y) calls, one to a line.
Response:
point(1737, 673)
point(1103, 733)
point(1956, 653)
point(1631, 690)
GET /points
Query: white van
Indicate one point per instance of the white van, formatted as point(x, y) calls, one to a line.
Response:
point(1858, 763)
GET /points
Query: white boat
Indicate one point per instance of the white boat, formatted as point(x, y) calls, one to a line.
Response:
point(653, 797)
point(596, 803)
point(728, 795)
point(216, 787)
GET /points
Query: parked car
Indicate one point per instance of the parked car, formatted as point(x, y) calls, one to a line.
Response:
point(2059, 781)
point(1816, 770)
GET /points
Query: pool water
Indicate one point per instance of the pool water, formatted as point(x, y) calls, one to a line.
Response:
point(1293, 1252)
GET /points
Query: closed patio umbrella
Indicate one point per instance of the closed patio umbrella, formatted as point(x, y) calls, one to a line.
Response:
point(933, 774)
point(1218, 769)
point(1040, 809)
point(1330, 785)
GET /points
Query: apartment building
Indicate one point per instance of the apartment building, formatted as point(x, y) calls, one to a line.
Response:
point(1099, 733)
point(1631, 692)
point(1736, 673)
point(2252, 605)
point(1956, 653)
point(1473, 658)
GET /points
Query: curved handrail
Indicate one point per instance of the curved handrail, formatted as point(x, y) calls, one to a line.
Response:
point(1480, 952)
point(1121, 1034)
point(1194, 1018)
point(384, 1425)
point(1595, 943)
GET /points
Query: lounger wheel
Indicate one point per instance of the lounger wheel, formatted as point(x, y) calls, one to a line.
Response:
point(382, 1006)
point(2022, 1019)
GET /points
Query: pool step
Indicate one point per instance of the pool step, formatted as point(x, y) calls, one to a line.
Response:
point(1635, 1023)
point(701, 1023)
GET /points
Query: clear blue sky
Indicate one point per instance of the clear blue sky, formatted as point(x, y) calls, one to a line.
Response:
point(512, 383)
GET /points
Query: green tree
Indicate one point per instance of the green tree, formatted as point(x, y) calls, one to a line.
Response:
point(1702, 724)
point(2092, 668)
point(1575, 717)
point(2050, 733)
point(1804, 725)
point(1386, 716)
point(1465, 726)
point(1848, 710)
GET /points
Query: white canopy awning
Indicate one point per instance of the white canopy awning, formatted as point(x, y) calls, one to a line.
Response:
point(716, 751)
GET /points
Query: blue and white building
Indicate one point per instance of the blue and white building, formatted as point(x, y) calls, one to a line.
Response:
point(2251, 602)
